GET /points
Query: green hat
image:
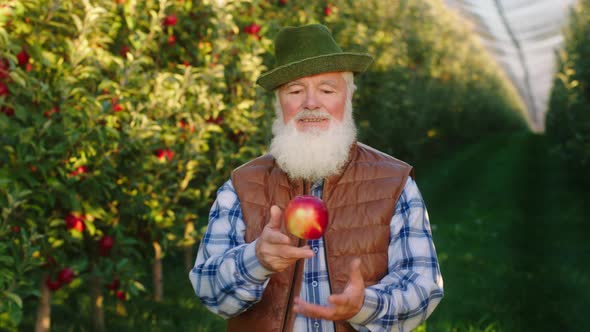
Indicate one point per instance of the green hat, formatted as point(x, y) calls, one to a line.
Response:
point(309, 50)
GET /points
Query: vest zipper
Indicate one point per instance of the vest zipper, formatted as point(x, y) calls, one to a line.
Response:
point(289, 300)
point(293, 277)
point(326, 254)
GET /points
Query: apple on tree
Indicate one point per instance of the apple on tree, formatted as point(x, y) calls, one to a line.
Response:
point(75, 222)
point(114, 285)
point(105, 244)
point(121, 295)
point(52, 284)
point(306, 217)
point(65, 276)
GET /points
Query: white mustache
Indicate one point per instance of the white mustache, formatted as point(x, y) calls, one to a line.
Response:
point(307, 114)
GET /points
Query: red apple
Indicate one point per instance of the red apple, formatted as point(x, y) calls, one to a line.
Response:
point(185, 125)
point(4, 67)
point(53, 285)
point(170, 21)
point(252, 29)
point(65, 276)
point(114, 285)
point(79, 171)
point(164, 154)
point(50, 112)
point(124, 50)
point(218, 120)
point(4, 90)
point(75, 222)
point(121, 295)
point(105, 244)
point(306, 217)
point(49, 262)
point(82, 169)
point(8, 111)
point(118, 107)
point(23, 58)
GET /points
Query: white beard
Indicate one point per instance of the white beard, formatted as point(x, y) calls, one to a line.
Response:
point(316, 154)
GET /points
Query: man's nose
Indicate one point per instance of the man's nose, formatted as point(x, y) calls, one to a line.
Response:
point(311, 102)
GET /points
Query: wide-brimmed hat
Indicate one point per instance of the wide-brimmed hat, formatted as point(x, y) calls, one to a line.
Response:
point(309, 50)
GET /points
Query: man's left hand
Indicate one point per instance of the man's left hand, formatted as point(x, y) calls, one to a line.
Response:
point(341, 306)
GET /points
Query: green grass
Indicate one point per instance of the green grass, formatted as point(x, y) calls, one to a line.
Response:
point(509, 226)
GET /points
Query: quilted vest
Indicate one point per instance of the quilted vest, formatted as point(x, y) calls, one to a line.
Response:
point(360, 201)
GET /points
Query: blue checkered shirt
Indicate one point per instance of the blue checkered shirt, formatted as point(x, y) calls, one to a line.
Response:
point(228, 278)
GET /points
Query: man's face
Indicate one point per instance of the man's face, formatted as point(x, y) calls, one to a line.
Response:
point(325, 93)
point(314, 128)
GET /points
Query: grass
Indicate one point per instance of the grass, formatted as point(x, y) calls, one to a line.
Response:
point(509, 227)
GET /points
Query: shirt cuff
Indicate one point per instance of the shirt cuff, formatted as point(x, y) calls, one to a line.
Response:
point(371, 308)
point(251, 267)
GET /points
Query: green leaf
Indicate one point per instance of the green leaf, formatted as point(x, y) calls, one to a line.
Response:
point(14, 298)
point(56, 223)
point(136, 285)
point(56, 243)
point(6, 260)
point(77, 22)
point(16, 77)
point(91, 227)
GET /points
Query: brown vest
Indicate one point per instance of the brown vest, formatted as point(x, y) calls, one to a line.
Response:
point(360, 201)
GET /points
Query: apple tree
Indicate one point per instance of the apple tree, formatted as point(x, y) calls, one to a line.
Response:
point(120, 119)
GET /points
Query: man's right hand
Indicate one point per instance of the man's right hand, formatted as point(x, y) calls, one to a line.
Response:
point(274, 249)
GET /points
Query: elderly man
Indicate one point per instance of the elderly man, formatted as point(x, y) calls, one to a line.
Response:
point(375, 268)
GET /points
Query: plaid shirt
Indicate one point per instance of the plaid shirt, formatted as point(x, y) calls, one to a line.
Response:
point(228, 278)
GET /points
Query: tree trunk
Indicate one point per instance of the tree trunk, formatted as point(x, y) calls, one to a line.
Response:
point(157, 272)
point(188, 250)
point(97, 306)
point(188, 259)
point(43, 323)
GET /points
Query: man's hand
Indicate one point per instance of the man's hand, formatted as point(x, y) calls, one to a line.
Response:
point(274, 249)
point(341, 306)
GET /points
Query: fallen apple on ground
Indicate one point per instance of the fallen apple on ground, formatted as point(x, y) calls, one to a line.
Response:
point(306, 217)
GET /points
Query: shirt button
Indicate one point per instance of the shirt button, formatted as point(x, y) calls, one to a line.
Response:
point(316, 324)
point(315, 249)
point(314, 283)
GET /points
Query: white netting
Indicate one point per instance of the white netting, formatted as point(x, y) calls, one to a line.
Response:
point(523, 36)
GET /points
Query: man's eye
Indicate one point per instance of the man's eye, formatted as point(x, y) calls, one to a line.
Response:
point(295, 92)
point(328, 91)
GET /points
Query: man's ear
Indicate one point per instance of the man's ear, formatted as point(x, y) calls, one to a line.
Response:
point(277, 106)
